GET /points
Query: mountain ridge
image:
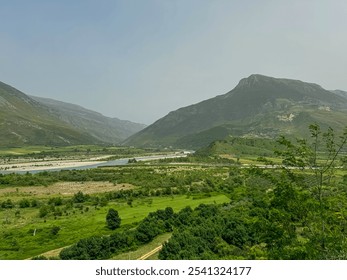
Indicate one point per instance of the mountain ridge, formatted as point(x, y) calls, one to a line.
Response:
point(253, 102)
point(105, 129)
point(27, 121)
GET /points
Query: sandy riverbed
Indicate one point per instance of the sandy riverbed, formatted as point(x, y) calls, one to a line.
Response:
point(50, 164)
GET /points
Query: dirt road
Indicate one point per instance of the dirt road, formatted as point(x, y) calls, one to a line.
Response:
point(155, 250)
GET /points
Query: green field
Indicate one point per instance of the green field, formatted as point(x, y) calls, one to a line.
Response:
point(17, 240)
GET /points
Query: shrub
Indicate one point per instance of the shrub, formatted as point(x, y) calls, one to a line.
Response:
point(112, 219)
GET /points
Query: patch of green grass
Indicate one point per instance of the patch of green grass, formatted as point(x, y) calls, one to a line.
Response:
point(17, 240)
point(22, 150)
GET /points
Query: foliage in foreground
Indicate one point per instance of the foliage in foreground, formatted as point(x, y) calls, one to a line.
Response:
point(299, 212)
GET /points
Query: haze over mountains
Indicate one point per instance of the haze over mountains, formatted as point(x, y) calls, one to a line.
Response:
point(104, 129)
point(340, 92)
point(26, 120)
point(259, 106)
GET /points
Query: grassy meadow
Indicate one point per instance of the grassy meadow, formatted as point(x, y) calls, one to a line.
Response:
point(28, 223)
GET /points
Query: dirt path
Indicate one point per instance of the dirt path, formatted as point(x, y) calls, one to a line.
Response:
point(51, 254)
point(155, 250)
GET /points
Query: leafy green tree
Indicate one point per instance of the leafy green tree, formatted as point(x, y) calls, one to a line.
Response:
point(147, 230)
point(113, 220)
point(318, 160)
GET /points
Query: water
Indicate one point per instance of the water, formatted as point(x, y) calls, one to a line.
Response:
point(117, 162)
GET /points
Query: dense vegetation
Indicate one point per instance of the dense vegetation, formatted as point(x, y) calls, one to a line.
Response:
point(214, 207)
point(298, 212)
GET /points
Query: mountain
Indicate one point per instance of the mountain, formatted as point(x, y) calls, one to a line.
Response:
point(33, 121)
point(104, 129)
point(24, 121)
point(259, 106)
point(340, 93)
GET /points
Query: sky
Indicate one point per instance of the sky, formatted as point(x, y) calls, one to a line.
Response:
point(140, 59)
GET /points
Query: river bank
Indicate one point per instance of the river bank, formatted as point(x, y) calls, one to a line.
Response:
point(57, 165)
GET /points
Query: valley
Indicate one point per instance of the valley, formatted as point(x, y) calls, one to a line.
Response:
point(256, 173)
point(43, 202)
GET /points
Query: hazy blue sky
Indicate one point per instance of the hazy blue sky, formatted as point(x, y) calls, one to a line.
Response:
point(140, 59)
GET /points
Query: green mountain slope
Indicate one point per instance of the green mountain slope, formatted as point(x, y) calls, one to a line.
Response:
point(105, 129)
point(26, 120)
point(259, 106)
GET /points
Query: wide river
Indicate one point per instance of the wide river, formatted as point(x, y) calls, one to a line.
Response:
point(84, 166)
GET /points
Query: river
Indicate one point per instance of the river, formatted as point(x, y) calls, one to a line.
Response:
point(84, 166)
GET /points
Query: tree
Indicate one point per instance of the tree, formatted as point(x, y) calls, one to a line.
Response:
point(318, 160)
point(112, 219)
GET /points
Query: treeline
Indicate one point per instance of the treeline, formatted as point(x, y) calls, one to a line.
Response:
point(76, 152)
point(139, 176)
point(200, 158)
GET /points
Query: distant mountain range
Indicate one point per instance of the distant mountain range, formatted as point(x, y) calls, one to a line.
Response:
point(258, 107)
point(29, 120)
point(104, 129)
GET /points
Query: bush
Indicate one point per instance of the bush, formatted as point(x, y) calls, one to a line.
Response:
point(56, 201)
point(24, 203)
point(34, 203)
point(44, 210)
point(55, 230)
point(7, 204)
point(39, 258)
point(80, 197)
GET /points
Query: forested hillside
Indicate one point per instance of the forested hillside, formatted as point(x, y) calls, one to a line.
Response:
point(258, 107)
